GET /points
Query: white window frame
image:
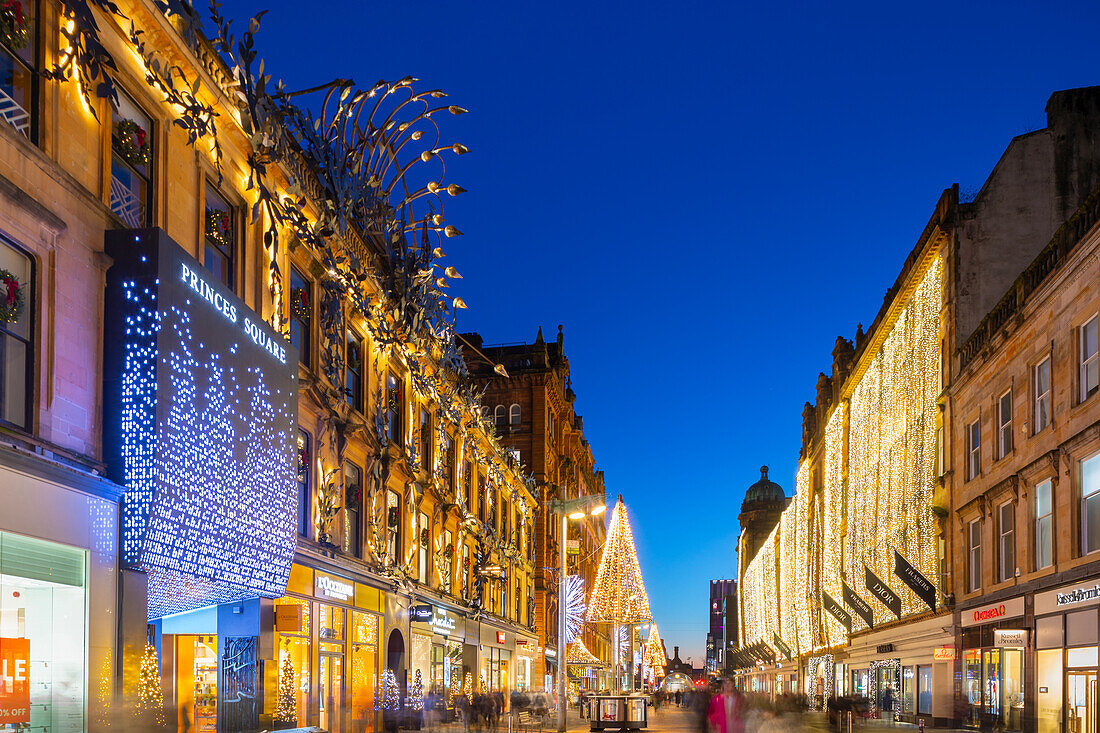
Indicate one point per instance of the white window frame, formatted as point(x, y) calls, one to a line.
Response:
point(1006, 549)
point(973, 449)
point(1004, 426)
point(515, 414)
point(974, 555)
point(1041, 518)
point(1086, 361)
point(1088, 494)
point(1042, 397)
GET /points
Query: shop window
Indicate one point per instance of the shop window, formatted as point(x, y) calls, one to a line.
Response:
point(1006, 548)
point(353, 505)
point(394, 404)
point(132, 164)
point(42, 633)
point(196, 662)
point(301, 313)
point(425, 440)
point(305, 495)
point(1090, 504)
point(1081, 657)
point(353, 371)
point(17, 301)
point(973, 450)
point(330, 623)
point(974, 566)
point(18, 72)
point(220, 231)
point(1049, 674)
point(364, 669)
point(1042, 394)
point(924, 690)
point(1087, 370)
point(1044, 525)
point(907, 690)
point(423, 544)
point(1004, 424)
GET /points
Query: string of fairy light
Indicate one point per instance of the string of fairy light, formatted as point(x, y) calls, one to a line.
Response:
point(619, 595)
point(884, 504)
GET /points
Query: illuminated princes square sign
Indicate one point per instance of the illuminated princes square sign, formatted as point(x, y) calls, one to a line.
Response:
point(200, 426)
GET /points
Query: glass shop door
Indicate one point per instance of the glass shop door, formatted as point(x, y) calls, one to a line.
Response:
point(331, 704)
point(1081, 702)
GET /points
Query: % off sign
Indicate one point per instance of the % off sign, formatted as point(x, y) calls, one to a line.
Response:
point(15, 685)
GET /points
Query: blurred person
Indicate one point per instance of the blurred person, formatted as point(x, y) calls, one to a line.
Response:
point(725, 710)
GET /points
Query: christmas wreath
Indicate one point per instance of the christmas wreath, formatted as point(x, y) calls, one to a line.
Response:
point(11, 297)
point(299, 303)
point(393, 516)
point(218, 229)
point(353, 497)
point(424, 538)
point(131, 142)
point(13, 25)
point(355, 359)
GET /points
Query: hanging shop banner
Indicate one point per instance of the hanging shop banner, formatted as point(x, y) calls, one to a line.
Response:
point(837, 611)
point(916, 581)
point(782, 646)
point(15, 684)
point(857, 604)
point(881, 591)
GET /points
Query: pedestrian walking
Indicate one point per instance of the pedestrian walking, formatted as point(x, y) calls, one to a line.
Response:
point(888, 704)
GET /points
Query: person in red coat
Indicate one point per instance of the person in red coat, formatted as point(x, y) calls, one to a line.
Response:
point(724, 714)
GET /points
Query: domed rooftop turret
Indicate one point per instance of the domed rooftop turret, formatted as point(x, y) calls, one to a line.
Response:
point(763, 490)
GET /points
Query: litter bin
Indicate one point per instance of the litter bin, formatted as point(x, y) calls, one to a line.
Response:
point(636, 713)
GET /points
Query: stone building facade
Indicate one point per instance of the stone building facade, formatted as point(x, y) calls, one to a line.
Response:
point(414, 550)
point(534, 412)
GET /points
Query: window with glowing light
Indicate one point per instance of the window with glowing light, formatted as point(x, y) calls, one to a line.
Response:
point(393, 525)
point(446, 571)
point(1042, 395)
point(16, 348)
point(973, 450)
point(305, 495)
point(974, 556)
point(219, 235)
point(1006, 526)
point(1089, 473)
point(301, 314)
point(353, 370)
point(1044, 525)
point(132, 164)
point(1088, 375)
point(18, 72)
point(1004, 424)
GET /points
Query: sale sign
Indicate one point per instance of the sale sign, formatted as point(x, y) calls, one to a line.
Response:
point(15, 681)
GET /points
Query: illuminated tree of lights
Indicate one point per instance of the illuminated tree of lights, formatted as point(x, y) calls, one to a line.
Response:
point(150, 696)
point(653, 656)
point(391, 696)
point(416, 694)
point(619, 596)
point(577, 653)
point(574, 607)
point(287, 709)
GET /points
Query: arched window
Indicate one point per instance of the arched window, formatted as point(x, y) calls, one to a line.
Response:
point(15, 336)
point(498, 415)
point(513, 415)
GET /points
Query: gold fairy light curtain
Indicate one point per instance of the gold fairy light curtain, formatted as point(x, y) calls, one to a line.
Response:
point(892, 447)
point(832, 523)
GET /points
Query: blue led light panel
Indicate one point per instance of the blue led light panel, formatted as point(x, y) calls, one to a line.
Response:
point(201, 411)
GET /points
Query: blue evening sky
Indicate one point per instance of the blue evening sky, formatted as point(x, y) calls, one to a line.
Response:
point(705, 195)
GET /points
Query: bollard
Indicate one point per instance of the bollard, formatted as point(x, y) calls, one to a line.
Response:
point(849, 721)
point(920, 724)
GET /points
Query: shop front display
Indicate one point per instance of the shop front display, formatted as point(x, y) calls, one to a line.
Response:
point(196, 681)
point(1066, 658)
point(43, 638)
point(993, 644)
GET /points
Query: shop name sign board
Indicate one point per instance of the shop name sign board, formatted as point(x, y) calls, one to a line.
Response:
point(945, 653)
point(200, 426)
point(500, 637)
point(1067, 597)
point(422, 612)
point(15, 681)
point(883, 592)
point(443, 622)
point(1010, 637)
point(985, 614)
point(328, 586)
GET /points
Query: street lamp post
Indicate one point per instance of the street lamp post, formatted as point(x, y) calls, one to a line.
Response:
point(568, 509)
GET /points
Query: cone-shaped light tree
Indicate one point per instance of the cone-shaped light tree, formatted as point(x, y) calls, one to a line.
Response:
point(653, 656)
point(619, 596)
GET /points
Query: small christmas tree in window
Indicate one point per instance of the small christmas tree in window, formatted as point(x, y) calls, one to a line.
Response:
point(416, 694)
point(287, 709)
point(391, 696)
